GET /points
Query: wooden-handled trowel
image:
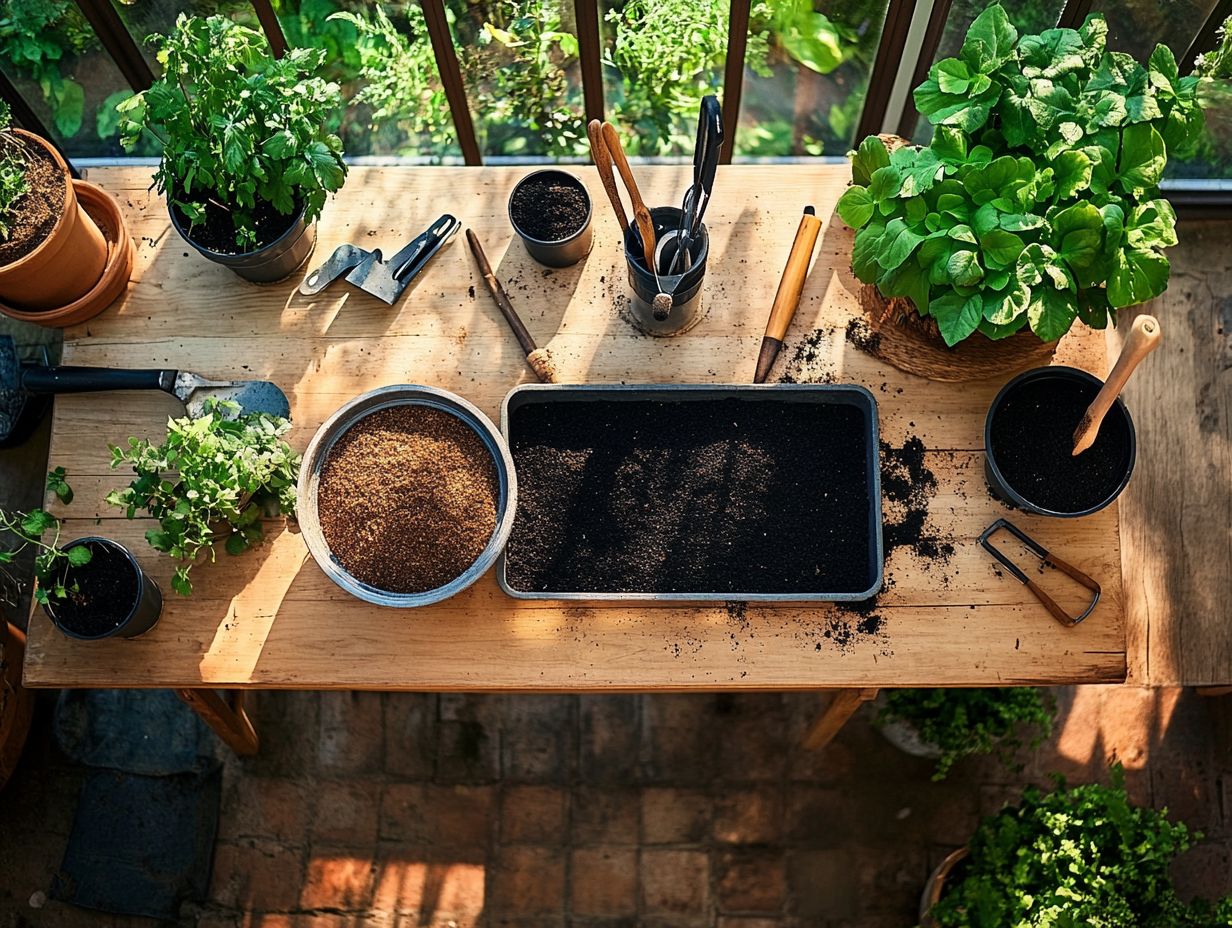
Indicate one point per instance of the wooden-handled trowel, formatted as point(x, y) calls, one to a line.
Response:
point(23, 386)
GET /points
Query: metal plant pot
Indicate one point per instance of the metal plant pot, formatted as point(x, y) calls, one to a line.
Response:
point(145, 610)
point(270, 263)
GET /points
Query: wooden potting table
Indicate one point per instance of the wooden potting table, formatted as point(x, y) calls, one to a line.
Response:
point(270, 619)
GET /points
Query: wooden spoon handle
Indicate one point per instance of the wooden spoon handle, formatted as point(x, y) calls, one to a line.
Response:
point(1144, 337)
point(645, 224)
point(603, 162)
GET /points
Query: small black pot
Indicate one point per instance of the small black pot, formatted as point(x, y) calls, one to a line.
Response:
point(273, 262)
point(997, 482)
point(566, 251)
point(145, 609)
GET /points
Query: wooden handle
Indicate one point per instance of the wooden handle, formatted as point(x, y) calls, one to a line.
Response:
point(499, 295)
point(645, 225)
point(1144, 337)
point(603, 162)
point(792, 283)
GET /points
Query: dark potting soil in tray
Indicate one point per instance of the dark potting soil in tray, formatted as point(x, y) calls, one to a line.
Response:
point(718, 496)
point(217, 231)
point(35, 212)
point(106, 589)
point(407, 498)
point(1033, 439)
point(548, 210)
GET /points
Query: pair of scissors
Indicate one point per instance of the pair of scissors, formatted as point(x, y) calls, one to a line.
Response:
point(705, 164)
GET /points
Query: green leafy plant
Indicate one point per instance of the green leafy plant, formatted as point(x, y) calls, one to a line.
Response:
point(51, 562)
point(208, 482)
point(13, 183)
point(964, 722)
point(238, 127)
point(1080, 856)
point(1036, 203)
point(57, 482)
point(37, 39)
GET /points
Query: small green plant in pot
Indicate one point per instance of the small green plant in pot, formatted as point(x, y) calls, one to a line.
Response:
point(209, 482)
point(950, 724)
point(90, 587)
point(1037, 201)
point(1076, 856)
point(247, 160)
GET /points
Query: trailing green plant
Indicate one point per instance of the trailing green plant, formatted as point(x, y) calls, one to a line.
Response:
point(209, 482)
point(238, 127)
point(13, 183)
point(1036, 202)
point(51, 562)
point(1217, 63)
point(964, 722)
point(1078, 856)
point(37, 38)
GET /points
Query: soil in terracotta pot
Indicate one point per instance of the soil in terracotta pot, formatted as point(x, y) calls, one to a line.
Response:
point(407, 498)
point(101, 594)
point(548, 209)
point(217, 231)
point(36, 212)
point(723, 496)
point(1033, 439)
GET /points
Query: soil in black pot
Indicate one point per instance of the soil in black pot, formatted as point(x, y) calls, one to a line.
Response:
point(1032, 440)
point(548, 209)
point(716, 496)
point(36, 212)
point(217, 231)
point(407, 498)
point(101, 593)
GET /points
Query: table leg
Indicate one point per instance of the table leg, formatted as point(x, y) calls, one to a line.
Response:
point(228, 718)
point(842, 704)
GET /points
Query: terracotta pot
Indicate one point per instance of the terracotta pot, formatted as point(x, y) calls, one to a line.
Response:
point(67, 264)
point(16, 702)
point(935, 886)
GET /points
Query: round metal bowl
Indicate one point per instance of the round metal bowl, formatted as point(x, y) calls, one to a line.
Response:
point(337, 424)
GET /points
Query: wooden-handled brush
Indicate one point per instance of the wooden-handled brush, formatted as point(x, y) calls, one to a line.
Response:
point(603, 162)
point(1144, 337)
point(788, 296)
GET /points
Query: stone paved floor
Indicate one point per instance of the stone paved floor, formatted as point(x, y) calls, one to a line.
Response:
point(373, 811)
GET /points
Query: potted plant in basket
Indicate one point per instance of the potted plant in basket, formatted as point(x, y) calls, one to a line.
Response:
point(950, 724)
point(209, 482)
point(1076, 856)
point(247, 161)
point(91, 587)
point(1037, 201)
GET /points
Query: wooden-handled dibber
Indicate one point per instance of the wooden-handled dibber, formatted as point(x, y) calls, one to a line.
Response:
point(788, 296)
point(1144, 337)
point(538, 358)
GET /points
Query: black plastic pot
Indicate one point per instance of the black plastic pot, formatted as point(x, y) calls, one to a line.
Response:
point(997, 482)
point(273, 262)
point(145, 609)
point(685, 289)
point(566, 251)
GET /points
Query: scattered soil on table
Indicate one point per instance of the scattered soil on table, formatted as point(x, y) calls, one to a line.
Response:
point(723, 496)
point(217, 231)
point(104, 595)
point(908, 485)
point(863, 335)
point(408, 498)
point(36, 212)
point(806, 359)
point(1033, 436)
point(548, 209)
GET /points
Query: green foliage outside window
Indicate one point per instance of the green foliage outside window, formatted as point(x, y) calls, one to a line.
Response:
point(35, 37)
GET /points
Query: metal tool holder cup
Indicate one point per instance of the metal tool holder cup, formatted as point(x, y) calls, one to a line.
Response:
point(685, 288)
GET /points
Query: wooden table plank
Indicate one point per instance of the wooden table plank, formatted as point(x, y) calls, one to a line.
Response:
point(271, 619)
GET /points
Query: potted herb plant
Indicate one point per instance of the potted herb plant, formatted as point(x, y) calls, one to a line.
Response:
point(1079, 855)
point(950, 724)
point(91, 587)
point(247, 161)
point(1037, 201)
point(209, 482)
point(51, 251)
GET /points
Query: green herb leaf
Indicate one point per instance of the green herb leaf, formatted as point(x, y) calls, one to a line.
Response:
point(957, 315)
point(79, 556)
point(897, 244)
point(856, 207)
point(990, 40)
point(1137, 276)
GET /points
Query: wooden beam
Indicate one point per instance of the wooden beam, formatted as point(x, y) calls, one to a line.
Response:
point(1073, 14)
point(451, 79)
point(590, 56)
point(228, 719)
point(118, 42)
point(937, 17)
point(733, 74)
point(885, 67)
point(842, 705)
point(271, 27)
point(1204, 41)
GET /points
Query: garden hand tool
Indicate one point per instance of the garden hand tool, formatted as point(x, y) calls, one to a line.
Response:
point(1047, 559)
point(662, 304)
point(603, 162)
point(705, 165)
point(788, 296)
point(539, 359)
point(1144, 337)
